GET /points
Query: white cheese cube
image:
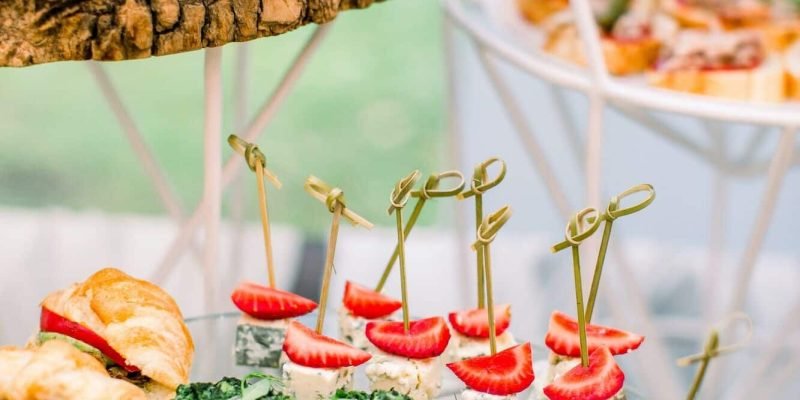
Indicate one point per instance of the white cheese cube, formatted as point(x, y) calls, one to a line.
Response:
point(259, 342)
point(420, 379)
point(465, 347)
point(306, 383)
point(470, 394)
point(353, 329)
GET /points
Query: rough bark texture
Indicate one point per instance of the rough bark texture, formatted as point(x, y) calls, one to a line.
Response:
point(41, 31)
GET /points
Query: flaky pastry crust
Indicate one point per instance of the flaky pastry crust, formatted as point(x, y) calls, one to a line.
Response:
point(137, 318)
point(57, 370)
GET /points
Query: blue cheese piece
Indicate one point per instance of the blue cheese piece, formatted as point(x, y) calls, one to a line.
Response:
point(420, 379)
point(259, 343)
point(306, 383)
point(352, 329)
point(464, 347)
point(470, 394)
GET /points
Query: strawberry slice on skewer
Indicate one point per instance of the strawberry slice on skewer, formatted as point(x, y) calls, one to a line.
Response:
point(367, 303)
point(425, 337)
point(267, 303)
point(305, 347)
point(474, 323)
point(562, 337)
point(601, 380)
point(507, 372)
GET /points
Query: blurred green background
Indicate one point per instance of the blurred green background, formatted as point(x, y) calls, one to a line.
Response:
point(368, 109)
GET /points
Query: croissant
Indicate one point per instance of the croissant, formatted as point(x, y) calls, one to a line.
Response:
point(139, 321)
point(57, 370)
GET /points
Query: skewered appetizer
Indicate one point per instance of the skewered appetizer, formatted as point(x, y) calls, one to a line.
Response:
point(359, 306)
point(630, 39)
point(496, 377)
point(318, 366)
point(267, 311)
point(470, 332)
point(732, 64)
point(131, 326)
point(407, 360)
point(563, 341)
point(58, 370)
point(266, 314)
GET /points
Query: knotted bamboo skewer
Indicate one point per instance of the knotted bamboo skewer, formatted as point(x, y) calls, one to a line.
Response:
point(333, 198)
point(479, 185)
point(429, 191)
point(398, 200)
point(258, 163)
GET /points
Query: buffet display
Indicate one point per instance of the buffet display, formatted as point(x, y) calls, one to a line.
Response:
point(738, 49)
point(113, 336)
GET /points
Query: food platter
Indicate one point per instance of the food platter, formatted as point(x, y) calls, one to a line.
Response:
point(214, 336)
point(495, 28)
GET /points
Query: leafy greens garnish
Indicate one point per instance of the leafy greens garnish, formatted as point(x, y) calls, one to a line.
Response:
point(266, 388)
point(342, 394)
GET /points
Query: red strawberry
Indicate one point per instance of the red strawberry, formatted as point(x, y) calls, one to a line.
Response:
point(475, 322)
point(425, 337)
point(507, 372)
point(308, 348)
point(267, 303)
point(562, 337)
point(599, 381)
point(367, 303)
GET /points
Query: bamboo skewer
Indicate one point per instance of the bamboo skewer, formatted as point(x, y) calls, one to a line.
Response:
point(485, 234)
point(577, 233)
point(398, 200)
point(257, 162)
point(712, 350)
point(428, 191)
point(334, 201)
point(480, 185)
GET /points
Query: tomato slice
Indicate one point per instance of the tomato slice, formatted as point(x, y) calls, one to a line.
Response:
point(52, 322)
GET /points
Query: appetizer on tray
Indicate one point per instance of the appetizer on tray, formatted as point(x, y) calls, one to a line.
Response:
point(470, 329)
point(131, 326)
point(317, 365)
point(733, 65)
point(266, 310)
point(630, 39)
point(362, 304)
point(408, 360)
point(582, 361)
point(59, 370)
point(497, 375)
point(537, 11)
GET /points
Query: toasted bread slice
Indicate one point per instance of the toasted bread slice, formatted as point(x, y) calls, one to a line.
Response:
point(791, 62)
point(764, 83)
point(621, 57)
point(537, 11)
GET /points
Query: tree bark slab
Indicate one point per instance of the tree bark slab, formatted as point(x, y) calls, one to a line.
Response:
point(42, 31)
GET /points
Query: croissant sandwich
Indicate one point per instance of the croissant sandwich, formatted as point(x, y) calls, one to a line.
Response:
point(131, 326)
point(57, 370)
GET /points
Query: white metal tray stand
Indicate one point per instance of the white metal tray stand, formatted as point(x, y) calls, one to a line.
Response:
point(493, 27)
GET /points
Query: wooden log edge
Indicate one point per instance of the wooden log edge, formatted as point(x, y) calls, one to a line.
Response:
point(43, 31)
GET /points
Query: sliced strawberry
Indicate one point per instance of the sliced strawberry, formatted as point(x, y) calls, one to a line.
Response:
point(306, 347)
point(367, 303)
point(562, 337)
point(49, 321)
point(507, 372)
point(425, 337)
point(475, 322)
point(267, 303)
point(599, 381)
